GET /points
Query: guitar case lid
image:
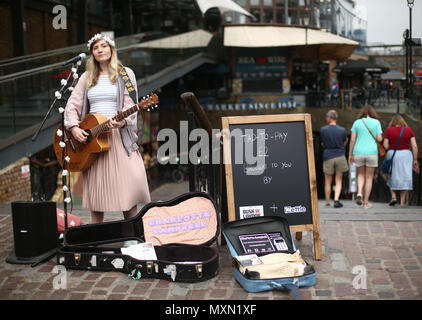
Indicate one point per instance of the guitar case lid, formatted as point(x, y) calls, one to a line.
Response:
point(190, 218)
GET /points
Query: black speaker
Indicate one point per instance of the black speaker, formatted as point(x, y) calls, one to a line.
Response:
point(34, 231)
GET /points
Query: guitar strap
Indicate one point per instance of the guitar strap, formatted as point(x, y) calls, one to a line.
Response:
point(129, 86)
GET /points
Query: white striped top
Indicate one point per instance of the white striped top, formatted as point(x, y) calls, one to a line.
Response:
point(103, 97)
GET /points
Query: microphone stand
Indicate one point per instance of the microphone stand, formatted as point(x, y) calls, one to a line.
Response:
point(61, 133)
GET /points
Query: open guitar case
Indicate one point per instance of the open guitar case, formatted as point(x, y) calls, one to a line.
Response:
point(181, 231)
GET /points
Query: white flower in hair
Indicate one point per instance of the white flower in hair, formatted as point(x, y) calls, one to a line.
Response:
point(99, 36)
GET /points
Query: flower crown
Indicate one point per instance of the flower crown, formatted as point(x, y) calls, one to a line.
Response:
point(99, 36)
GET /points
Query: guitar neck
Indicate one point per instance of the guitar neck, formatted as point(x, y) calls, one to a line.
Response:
point(144, 104)
point(118, 117)
point(124, 114)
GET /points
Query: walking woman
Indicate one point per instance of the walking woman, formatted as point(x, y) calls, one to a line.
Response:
point(405, 159)
point(366, 132)
point(117, 180)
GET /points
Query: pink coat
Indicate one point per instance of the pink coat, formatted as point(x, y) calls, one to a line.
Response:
point(77, 108)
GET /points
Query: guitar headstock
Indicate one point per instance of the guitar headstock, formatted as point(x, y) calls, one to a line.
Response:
point(149, 102)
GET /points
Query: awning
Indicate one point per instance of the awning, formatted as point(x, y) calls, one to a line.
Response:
point(361, 66)
point(393, 75)
point(192, 39)
point(223, 5)
point(330, 45)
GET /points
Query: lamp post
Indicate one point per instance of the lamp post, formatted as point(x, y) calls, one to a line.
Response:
point(410, 4)
point(306, 64)
point(406, 45)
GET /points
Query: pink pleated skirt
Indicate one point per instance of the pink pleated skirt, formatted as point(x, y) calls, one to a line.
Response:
point(115, 182)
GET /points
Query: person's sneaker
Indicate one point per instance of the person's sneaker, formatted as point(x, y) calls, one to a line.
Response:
point(337, 204)
point(359, 199)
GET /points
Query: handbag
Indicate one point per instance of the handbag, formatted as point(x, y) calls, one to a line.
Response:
point(387, 164)
point(381, 150)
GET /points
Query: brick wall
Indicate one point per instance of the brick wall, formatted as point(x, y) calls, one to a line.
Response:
point(6, 39)
point(14, 185)
point(40, 34)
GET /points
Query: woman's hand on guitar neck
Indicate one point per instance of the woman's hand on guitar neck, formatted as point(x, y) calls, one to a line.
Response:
point(79, 134)
point(116, 124)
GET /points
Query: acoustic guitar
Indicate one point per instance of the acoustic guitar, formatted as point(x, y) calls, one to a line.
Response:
point(83, 155)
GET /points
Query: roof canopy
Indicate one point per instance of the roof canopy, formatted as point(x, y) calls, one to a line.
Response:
point(361, 66)
point(393, 75)
point(192, 39)
point(330, 46)
point(223, 5)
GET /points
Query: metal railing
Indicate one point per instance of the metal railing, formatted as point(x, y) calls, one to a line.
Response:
point(25, 96)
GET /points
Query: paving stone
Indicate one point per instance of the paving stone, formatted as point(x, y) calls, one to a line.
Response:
point(198, 294)
point(179, 291)
point(339, 265)
point(342, 280)
point(385, 295)
point(159, 294)
point(372, 260)
point(336, 250)
point(323, 293)
point(412, 267)
point(343, 289)
point(217, 293)
point(380, 287)
point(390, 251)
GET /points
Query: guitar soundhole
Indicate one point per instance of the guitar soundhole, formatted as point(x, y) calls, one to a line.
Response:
point(88, 140)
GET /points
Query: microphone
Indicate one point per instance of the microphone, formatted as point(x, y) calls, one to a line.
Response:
point(75, 59)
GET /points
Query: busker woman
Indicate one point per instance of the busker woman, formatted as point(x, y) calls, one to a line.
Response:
point(117, 180)
point(366, 132)
point(405, 159)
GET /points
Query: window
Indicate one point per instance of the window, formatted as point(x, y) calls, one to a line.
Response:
point(293, 17)
point(280, 15)
point(257, 13)
point(268, 15)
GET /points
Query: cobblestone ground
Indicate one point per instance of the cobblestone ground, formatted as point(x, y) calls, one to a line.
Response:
point(371, 255)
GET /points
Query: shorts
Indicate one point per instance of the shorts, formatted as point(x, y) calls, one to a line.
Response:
point(369, 160)
point(335, 165)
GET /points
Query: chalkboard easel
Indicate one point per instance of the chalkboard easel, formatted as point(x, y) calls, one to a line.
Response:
point(286, 182)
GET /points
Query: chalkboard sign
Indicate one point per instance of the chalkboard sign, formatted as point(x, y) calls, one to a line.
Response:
point(270, 170)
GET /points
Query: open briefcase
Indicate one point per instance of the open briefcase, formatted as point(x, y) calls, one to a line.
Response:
point(180, 231)
point(265, 256)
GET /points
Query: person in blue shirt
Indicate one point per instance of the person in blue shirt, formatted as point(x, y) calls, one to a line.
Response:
point(366, 132)
point(334, 139)
point(334, 94)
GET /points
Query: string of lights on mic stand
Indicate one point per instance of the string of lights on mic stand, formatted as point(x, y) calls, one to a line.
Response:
point(61, 133)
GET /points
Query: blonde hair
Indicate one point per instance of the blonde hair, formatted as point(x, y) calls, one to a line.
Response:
point(93, 67)
point(397, 120)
